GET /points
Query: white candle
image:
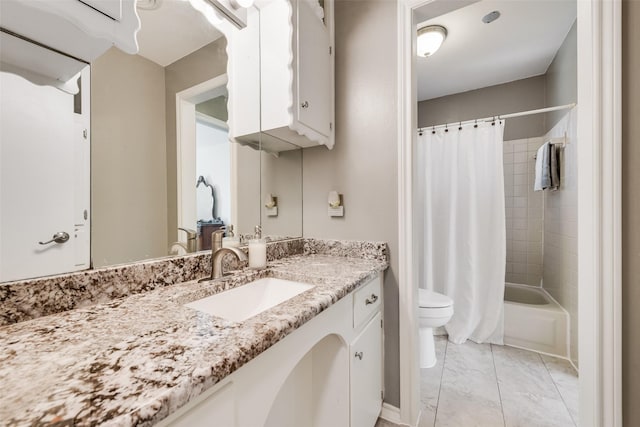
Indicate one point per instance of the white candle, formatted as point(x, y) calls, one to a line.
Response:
point(257, 254)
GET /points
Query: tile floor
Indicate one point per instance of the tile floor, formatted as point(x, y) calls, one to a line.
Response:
point(482, 385)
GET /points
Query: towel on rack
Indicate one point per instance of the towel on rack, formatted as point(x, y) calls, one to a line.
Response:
point(543, 175)
point(554, 165)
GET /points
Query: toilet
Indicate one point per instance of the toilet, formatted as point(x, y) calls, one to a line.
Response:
point(434, 310)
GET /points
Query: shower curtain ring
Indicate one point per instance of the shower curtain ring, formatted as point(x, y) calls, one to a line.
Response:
point(446, 128)
point(476, 125)
point(460, 128)
point(433, 130)
point(493, 123)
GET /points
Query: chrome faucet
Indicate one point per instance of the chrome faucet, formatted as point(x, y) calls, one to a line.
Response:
point(218, 253)
point(216, 260)
point(192, 242)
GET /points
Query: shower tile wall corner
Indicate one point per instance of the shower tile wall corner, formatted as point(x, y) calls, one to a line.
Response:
point(524, 212)
point(561, 230)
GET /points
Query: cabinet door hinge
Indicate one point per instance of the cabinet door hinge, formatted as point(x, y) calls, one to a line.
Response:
point(382, 394)
point(330, 50)
point(381, 324)
point(330, 126)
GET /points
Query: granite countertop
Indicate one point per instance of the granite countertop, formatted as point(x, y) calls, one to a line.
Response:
point(135, 360)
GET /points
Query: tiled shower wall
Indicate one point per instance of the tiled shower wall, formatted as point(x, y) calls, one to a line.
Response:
point(524, 212)
point(561, 230)
point(542, 227)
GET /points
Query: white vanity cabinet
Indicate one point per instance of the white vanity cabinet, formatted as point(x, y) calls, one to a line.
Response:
point(296, 78)
point(366, 375)
point(328, 372)
point(366, 355)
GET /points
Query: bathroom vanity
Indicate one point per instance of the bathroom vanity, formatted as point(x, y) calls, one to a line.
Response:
point(148, 358)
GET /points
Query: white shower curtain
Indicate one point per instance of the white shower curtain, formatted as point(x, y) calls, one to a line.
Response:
point(464, 226)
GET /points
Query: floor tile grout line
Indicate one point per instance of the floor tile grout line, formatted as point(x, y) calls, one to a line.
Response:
point(444, 361)
point(564, 402)
point(495, 371)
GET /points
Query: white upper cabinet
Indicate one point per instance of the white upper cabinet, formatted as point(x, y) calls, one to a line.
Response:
point(111, 8)
point(295, 90)
point(82, 29)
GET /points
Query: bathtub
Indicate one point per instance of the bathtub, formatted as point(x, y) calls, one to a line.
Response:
point(533, 320)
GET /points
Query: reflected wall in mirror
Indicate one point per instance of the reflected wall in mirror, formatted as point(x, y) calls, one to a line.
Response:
point(135, 130)
point(156, 123)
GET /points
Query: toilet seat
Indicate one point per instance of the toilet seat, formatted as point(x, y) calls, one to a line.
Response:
point(430, 299)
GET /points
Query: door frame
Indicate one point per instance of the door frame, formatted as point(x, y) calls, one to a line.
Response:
point(599, 212)
point(186, 116)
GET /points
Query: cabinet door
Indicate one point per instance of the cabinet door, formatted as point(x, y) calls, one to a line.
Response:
point(314, 70)
point(366, 375)
point(217, 409)
point(110, 8)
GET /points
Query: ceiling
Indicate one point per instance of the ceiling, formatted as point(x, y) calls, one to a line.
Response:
point(520, 44)
point(173, 31)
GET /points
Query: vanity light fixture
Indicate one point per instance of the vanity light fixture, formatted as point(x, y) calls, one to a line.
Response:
point(148, 4)
point(216, 11)
point(430, 38)
point(336, 208)
point(271, 205)
point(242, 3)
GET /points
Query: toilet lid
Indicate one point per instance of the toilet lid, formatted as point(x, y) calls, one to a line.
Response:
point(430, 299)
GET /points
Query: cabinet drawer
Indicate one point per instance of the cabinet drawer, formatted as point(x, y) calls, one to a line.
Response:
point(366, 301)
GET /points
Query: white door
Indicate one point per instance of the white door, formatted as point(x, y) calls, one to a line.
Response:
point(44, 178)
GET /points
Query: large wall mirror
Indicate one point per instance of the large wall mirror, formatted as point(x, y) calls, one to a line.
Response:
point(154, 164)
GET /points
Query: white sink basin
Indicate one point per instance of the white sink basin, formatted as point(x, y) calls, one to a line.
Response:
point(246, 301)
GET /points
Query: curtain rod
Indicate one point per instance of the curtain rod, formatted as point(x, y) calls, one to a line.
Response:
point(502, 116)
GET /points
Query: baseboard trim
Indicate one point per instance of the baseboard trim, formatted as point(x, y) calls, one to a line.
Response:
point(392, 414)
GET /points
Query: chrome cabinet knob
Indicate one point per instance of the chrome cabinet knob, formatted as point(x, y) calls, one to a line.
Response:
point(373, 298)
point(59, 237)
point(305, 104)
point(358, 355)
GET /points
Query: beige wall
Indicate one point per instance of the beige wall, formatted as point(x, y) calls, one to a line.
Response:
point(630, 212)
point(519, 95)
point(128, 162)
point(562, 77)
point(363, 164)
point(282, 177)
point(197, 67)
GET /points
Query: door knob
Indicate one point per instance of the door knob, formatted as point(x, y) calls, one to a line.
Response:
point(59, 237)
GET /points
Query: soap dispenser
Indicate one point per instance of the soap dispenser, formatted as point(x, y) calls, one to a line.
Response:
point(257, 250)
point(230, 240)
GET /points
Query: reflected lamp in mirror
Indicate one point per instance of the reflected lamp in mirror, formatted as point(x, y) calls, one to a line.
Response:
point(271, 205)
point(335, 204)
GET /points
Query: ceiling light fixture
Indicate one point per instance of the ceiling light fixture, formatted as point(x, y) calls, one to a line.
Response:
point(430, 38)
